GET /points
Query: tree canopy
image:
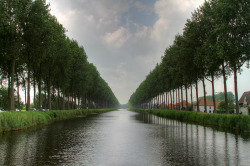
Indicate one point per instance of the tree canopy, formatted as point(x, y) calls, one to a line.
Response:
point(214, 43)
point(35, 51)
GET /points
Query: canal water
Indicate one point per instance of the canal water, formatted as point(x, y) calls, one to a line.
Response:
point(123, 138)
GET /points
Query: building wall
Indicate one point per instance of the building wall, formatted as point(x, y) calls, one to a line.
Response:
point(244, 111)
point(210, 109)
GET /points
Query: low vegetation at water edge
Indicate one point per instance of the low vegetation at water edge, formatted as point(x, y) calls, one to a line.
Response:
point(239, 123)
point(12, 120)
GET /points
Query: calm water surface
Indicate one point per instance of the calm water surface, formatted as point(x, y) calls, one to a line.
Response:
point(123, 138)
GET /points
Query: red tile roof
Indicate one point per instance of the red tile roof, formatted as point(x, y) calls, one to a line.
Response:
point(184, 103)
point(245, 95)
point(208, 102)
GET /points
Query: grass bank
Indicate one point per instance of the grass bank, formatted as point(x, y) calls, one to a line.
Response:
point(12, 120)
point(238, 123)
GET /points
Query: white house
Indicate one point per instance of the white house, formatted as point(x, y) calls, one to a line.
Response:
point(244, 102)
point(210, 105)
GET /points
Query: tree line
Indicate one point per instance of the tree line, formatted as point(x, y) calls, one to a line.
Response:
point(214, 43)
point(35, 51)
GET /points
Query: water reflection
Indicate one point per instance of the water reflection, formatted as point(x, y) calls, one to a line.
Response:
point(198, 145)
point(123, 138)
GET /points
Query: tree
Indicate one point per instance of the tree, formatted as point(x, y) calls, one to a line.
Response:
point(215, 42)
point(14, 14)
point(232, 29)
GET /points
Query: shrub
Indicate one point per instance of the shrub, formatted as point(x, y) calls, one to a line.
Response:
point(239, 123)
point(12, 120)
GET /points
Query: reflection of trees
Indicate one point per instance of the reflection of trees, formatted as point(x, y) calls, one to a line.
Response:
point(19, 148)
point(188, 144)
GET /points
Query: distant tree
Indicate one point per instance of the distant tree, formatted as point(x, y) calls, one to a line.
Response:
point(13, 14)
point(220, 96)
point(222, 106)
point(231, 19)
point(4, 100)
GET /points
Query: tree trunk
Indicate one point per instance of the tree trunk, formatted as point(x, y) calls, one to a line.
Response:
point(58, 98)
point(75, 107)
point(191, 97)
point(212, 77)
point(49, 94)
point(162, 101)
point(176, 98)
point(11, 94)
point(225, 87)
point(181, 98)
point(236, 90)
point(89, 101)
point(9, 85)
point(85, 101)
point(63, 101)
point(18, 94)
point(158, 103)
point(186, 97)
point(34, 99)
point(25, 93)
point(152, 103)
point(204, 91)
point(197, 97)
point(166, 100)
point(68, 104)
point(79, 102)
point(40, 94)
point(171, 100)
point(28, 91)
point(40, 88)
point(45, 100)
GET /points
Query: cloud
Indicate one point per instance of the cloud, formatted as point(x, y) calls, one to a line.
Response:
point(117, 38)
point(172, 16)
point(124, 39)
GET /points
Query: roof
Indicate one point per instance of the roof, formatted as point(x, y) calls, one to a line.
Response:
point(245, 95)
point(208, 102)
point(217, 104)
point(184, 103)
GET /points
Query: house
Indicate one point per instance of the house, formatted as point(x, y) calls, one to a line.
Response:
point(178, 106)
point(244, 102)
point(210, 105)
point(184, 102)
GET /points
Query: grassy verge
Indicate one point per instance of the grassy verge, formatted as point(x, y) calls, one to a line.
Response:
point(238, 123)
point(13, 120)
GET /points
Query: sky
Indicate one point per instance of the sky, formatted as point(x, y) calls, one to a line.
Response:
point(125, 39)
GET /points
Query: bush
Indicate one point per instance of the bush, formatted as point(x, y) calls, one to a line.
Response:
point(12, 120)
point(222, 111)
point(239, 123)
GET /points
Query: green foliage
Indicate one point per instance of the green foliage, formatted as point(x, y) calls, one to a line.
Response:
point(221, 96)
point(223, 111)
point(215, 42)
point(13, 120)
point(4, 99)
point(34, 47)
point(124, 106)
point(221, 105)
point(239, 123)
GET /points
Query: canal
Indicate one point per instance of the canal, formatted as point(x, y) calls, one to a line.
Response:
point(120, 138)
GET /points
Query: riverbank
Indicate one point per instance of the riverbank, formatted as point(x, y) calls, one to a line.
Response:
point(12, 120)
point(237, 123)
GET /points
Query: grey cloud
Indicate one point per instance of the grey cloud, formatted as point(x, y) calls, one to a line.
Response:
point(100, 25)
